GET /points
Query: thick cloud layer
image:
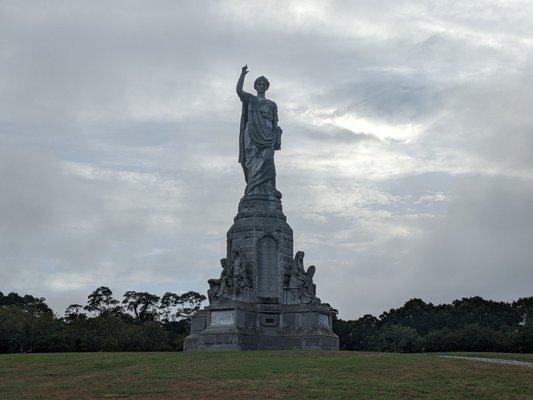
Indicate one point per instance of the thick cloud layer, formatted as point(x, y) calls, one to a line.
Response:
point(406, 166)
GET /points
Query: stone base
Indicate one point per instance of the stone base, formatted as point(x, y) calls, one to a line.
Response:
point(266, 312)
point(244, 326)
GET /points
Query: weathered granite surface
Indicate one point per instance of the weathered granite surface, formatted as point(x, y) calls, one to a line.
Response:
point(264, 297)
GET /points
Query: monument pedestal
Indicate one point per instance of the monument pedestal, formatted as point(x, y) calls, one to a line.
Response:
point(262, 327)
point(264, 298)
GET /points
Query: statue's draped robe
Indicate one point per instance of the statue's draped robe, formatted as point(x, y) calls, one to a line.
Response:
point(258, 140)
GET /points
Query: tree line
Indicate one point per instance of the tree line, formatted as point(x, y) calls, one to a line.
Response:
point(469, 324)
point(140, 322)
point(143, 321)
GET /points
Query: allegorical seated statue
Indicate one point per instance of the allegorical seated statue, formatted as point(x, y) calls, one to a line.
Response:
point(259, 137)
point(221, 287)
point(240, 274)
point(233, 278)
point(301, 280)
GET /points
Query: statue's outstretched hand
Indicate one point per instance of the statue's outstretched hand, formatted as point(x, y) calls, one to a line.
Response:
point(244, 70)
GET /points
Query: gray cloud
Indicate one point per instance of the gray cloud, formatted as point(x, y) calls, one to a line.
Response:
point(405, 166)
point(336, 135)
point(482, 243)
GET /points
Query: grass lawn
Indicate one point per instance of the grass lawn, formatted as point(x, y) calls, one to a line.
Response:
point(258, 375)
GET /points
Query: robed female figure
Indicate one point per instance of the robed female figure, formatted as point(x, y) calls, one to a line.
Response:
point(259, 138)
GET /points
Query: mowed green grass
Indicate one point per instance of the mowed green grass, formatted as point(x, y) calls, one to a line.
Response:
point(258, 375)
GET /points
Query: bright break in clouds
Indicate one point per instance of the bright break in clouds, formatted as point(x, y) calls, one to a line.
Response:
point(406, 168)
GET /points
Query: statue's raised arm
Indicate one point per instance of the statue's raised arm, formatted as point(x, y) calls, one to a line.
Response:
point(240, 82)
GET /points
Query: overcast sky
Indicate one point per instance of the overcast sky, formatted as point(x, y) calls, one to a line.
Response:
point(407, 160)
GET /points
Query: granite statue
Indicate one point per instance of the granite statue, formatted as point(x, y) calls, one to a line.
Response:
point(241, 279)
point(301, 281)
point(221, 287)
point(234, 279)
point(259, 137)
point(264, 297)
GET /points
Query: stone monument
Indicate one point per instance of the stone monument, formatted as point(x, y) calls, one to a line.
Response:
point(264, 298)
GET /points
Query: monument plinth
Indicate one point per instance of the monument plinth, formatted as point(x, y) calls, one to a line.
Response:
point(264, 298)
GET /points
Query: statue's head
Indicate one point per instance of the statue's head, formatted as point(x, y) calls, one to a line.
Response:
point(300, 255)
point(261, 84)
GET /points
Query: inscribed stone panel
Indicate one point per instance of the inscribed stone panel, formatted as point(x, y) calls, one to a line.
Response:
point(323, 321)
point(267, 268)
point(222, 318)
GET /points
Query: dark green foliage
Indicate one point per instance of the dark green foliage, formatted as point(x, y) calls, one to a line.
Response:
point(101, 301)
point(189, 303)
point(470, 338)
point(485, 313)
point(175, 307)
point(25, 330)
point(396, 339)
point(73, 312)
point(415, 314)
point(355, 335)
point(150, 323)
point(27, 324)
point(169, 302)
point(524, 337)
point(178, 330)
point(443, 339)
point(143, 304)
point(27, 302)
point(469, 324)
point(112, 333)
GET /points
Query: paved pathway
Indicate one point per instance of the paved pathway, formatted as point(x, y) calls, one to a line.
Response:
point(494, 360)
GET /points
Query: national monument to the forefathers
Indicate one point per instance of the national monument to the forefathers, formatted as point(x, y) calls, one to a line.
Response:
point(264, 297)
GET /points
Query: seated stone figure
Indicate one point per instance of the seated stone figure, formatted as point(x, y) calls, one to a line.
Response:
point(241, 279)
point(301, 280)
point(233, 278)
point(222, 287)
point(297, 270)
point(309, 288)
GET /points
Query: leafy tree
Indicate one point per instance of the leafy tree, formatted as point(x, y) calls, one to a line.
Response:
point(27, 302)
point(74, 312)
point(102, 302)
point(396, 339)
point(524, 308)
point(177, 331)
point(470, 324)
point(478, 311)
point(440, 340)
point(23, 331)
point(189, 303)
point(155, 337)
point(524, 336)
point(143, 304)
point(475, 337)
point(416, 314)
point(355, 335)
point(169, 302)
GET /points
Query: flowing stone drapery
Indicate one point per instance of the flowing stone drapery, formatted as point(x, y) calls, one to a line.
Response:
point(258, 139)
